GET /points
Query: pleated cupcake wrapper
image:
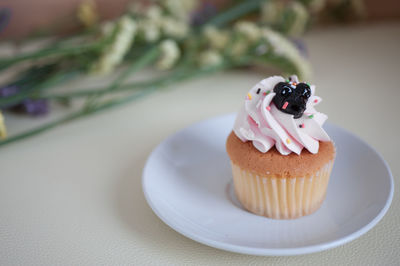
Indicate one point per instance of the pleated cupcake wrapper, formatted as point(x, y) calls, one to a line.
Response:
point(281, 198)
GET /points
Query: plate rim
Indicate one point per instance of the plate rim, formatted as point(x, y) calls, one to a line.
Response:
point(268, 251)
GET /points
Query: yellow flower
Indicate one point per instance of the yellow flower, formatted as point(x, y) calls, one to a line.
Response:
point(87, 13)
point(3, 131)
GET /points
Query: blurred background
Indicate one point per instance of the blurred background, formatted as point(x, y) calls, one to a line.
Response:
point(45, 16)
point(28, 18)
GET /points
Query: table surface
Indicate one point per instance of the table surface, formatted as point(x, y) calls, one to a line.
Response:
point(73, 196)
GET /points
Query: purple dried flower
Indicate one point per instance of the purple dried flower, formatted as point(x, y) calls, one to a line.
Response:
point(8, 91)
point(34, 107)
point(203, 14)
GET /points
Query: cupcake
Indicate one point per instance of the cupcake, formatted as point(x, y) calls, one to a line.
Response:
point(281, 156)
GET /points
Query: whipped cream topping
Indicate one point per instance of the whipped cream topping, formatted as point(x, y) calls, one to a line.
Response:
point(261, 122)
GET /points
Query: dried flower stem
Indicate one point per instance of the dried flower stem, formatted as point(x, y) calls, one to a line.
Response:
point(58, 51)
point(235, 12)
point(104, 106)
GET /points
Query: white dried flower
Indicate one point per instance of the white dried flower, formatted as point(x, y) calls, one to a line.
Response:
point(249, 30)
point(107, 28)
point(248, 33)
point(157, 21)
point(149, 29)
point(154, 13)
point(299, 23)
point(174, 28)
point(216, 38)
point(135, 7)
point(239, 47)
point(180, 9)
point(271, 11)
point(283, 47)
point(170, 54)
point(115, 52)
point(3, 130)
point(210, 58)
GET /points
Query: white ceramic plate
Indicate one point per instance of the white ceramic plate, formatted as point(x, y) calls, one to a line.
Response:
point(187, 183)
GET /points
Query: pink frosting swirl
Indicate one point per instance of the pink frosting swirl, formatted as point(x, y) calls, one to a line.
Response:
point(261, 122)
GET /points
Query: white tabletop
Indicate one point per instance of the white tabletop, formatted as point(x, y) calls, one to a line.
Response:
point(73, 196)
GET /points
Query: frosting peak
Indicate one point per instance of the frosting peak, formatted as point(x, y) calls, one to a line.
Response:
point(281, 112)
